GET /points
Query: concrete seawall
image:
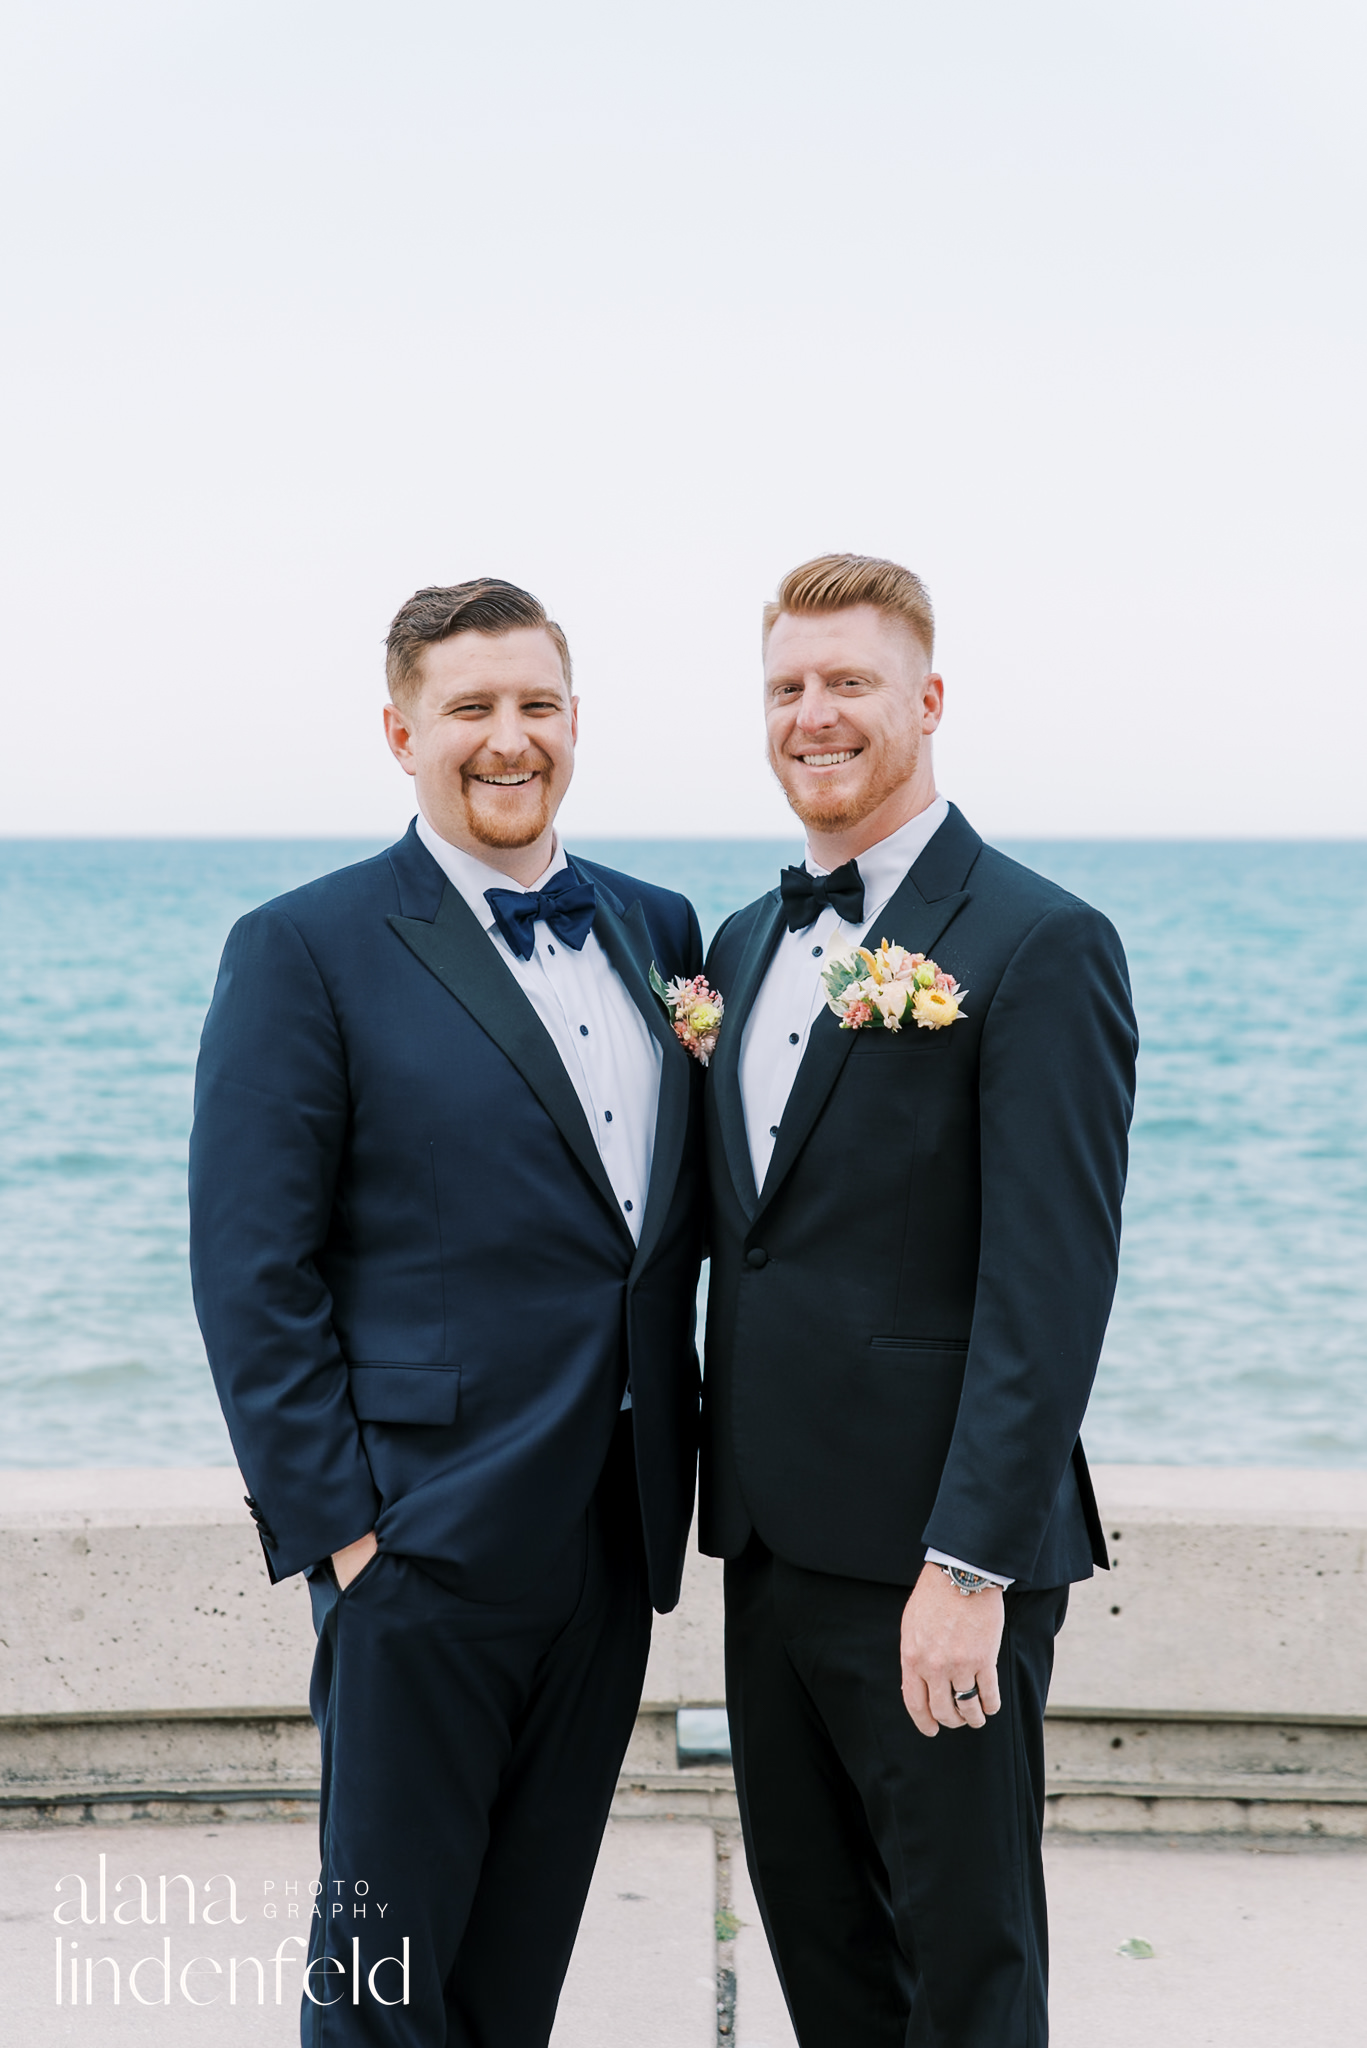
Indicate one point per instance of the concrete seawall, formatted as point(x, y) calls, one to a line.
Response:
point(1214, 1682)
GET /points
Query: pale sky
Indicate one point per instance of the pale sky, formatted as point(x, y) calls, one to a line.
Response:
point(308, 305)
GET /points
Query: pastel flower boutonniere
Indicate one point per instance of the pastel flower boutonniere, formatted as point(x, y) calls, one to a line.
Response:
point(882, 991)
point(695, 1011)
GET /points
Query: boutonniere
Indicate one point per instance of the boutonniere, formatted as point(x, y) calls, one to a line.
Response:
point(890, 988)
point(695, 1011)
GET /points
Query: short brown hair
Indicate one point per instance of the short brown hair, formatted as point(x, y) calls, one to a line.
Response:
point(485, 605)
point(833, 583)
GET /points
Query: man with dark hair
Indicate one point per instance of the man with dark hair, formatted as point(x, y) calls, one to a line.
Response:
point(445, 1241)
point(916, 1153)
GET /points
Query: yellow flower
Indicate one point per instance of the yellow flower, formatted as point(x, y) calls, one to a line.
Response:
point(704, 1017)
point(933, 1008)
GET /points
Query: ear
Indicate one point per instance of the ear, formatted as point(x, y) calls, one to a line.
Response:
point(399, 734)
point(932, 702)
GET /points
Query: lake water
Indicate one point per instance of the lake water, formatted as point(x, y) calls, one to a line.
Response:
point(1240, 1329)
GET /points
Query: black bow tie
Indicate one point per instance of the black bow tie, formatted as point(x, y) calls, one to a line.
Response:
point(805, 896)
point(565, 904)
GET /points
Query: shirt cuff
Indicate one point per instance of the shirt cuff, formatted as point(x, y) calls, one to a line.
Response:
point(993, 1578)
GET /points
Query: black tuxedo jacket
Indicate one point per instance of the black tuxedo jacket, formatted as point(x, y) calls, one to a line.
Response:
point(418, 1295)
point(905, 1320)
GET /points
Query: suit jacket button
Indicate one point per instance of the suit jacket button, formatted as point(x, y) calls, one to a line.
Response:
point(756, 1258)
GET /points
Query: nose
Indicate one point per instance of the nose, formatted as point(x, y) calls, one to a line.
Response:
point(817, 711)
point(508, 736)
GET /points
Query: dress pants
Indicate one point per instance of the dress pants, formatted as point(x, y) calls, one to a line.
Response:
point(899, 1875)
point(470, 1754)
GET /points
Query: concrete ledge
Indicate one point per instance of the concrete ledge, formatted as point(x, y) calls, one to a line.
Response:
point(143, 1593)
point(654, 1784)
point(1232, 1593)
point(141, 1757)
point(1215, 1681)
point(1094, 1814)
point(1254, 1759)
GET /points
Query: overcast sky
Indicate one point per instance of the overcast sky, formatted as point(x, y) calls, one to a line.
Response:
point(310, 304)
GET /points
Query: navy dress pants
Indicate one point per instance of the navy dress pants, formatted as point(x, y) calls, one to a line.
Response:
point(470, 1753)
point(899, 1875)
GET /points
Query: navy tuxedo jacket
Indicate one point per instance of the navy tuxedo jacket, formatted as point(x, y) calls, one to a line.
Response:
point(905, 1320)
point(418, 1295)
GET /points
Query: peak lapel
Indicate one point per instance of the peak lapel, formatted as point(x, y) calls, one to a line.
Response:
point(454, 949)
point(418, 879)
point(740, 1000)
point(626, 941)
point(909, 919)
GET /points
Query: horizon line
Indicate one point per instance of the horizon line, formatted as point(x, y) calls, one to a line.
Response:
point(1031, 837)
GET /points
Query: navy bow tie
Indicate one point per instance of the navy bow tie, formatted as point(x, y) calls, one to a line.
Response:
point(805, 895)
point(565, 904)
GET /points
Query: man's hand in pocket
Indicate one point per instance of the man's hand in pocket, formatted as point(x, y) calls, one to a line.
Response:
point(346, 1563)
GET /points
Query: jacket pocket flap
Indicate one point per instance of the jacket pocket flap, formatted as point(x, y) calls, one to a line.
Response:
point(956, 1347)
point(405, 1393)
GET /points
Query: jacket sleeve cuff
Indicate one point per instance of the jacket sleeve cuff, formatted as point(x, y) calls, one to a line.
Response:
point(284, 1560)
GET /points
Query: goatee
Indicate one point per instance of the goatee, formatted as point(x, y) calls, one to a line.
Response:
point(506, 833)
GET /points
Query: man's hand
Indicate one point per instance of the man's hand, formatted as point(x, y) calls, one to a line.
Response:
point(950, 1642)
point(346, 1563)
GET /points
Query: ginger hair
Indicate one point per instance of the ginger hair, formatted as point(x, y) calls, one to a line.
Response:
point(834, 583)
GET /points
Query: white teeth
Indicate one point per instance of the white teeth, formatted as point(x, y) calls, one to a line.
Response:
point(827, 760)
point(505, 781)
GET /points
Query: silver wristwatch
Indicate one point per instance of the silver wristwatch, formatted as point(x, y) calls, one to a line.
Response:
point(966, 1581)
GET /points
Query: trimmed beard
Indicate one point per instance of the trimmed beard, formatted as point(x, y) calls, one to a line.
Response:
point(842, 815)
point(509, 837)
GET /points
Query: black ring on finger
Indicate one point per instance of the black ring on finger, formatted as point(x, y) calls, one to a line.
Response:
point(971, 1694)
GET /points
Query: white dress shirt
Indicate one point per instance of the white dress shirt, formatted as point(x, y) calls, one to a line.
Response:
point(604, 1041)
point(792, 996)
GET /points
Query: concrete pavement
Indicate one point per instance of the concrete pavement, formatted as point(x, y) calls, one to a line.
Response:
point(1256, 1945)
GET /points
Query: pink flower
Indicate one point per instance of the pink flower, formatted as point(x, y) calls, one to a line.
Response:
point(695, 1012)
point(858, 1014)
point(702, 1044)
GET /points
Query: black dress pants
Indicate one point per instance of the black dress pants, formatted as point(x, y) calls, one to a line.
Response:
point(470, 1753)
point(899, 1875)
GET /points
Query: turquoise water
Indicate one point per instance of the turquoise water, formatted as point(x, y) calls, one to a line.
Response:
point(1240, 1330)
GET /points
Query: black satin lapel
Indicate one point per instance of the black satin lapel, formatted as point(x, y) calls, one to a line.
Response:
point(417, 876)
point(460, 955)
point(827, 1050)
point(912, 920)
point(739, 1000)
point(626, 941)
point(907, 920)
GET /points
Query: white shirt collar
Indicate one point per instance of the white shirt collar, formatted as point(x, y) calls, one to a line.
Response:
point(472, 877)
point(884, 865)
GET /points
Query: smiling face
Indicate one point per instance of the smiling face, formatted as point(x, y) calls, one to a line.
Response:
point(850, 702)
point(489, 740)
